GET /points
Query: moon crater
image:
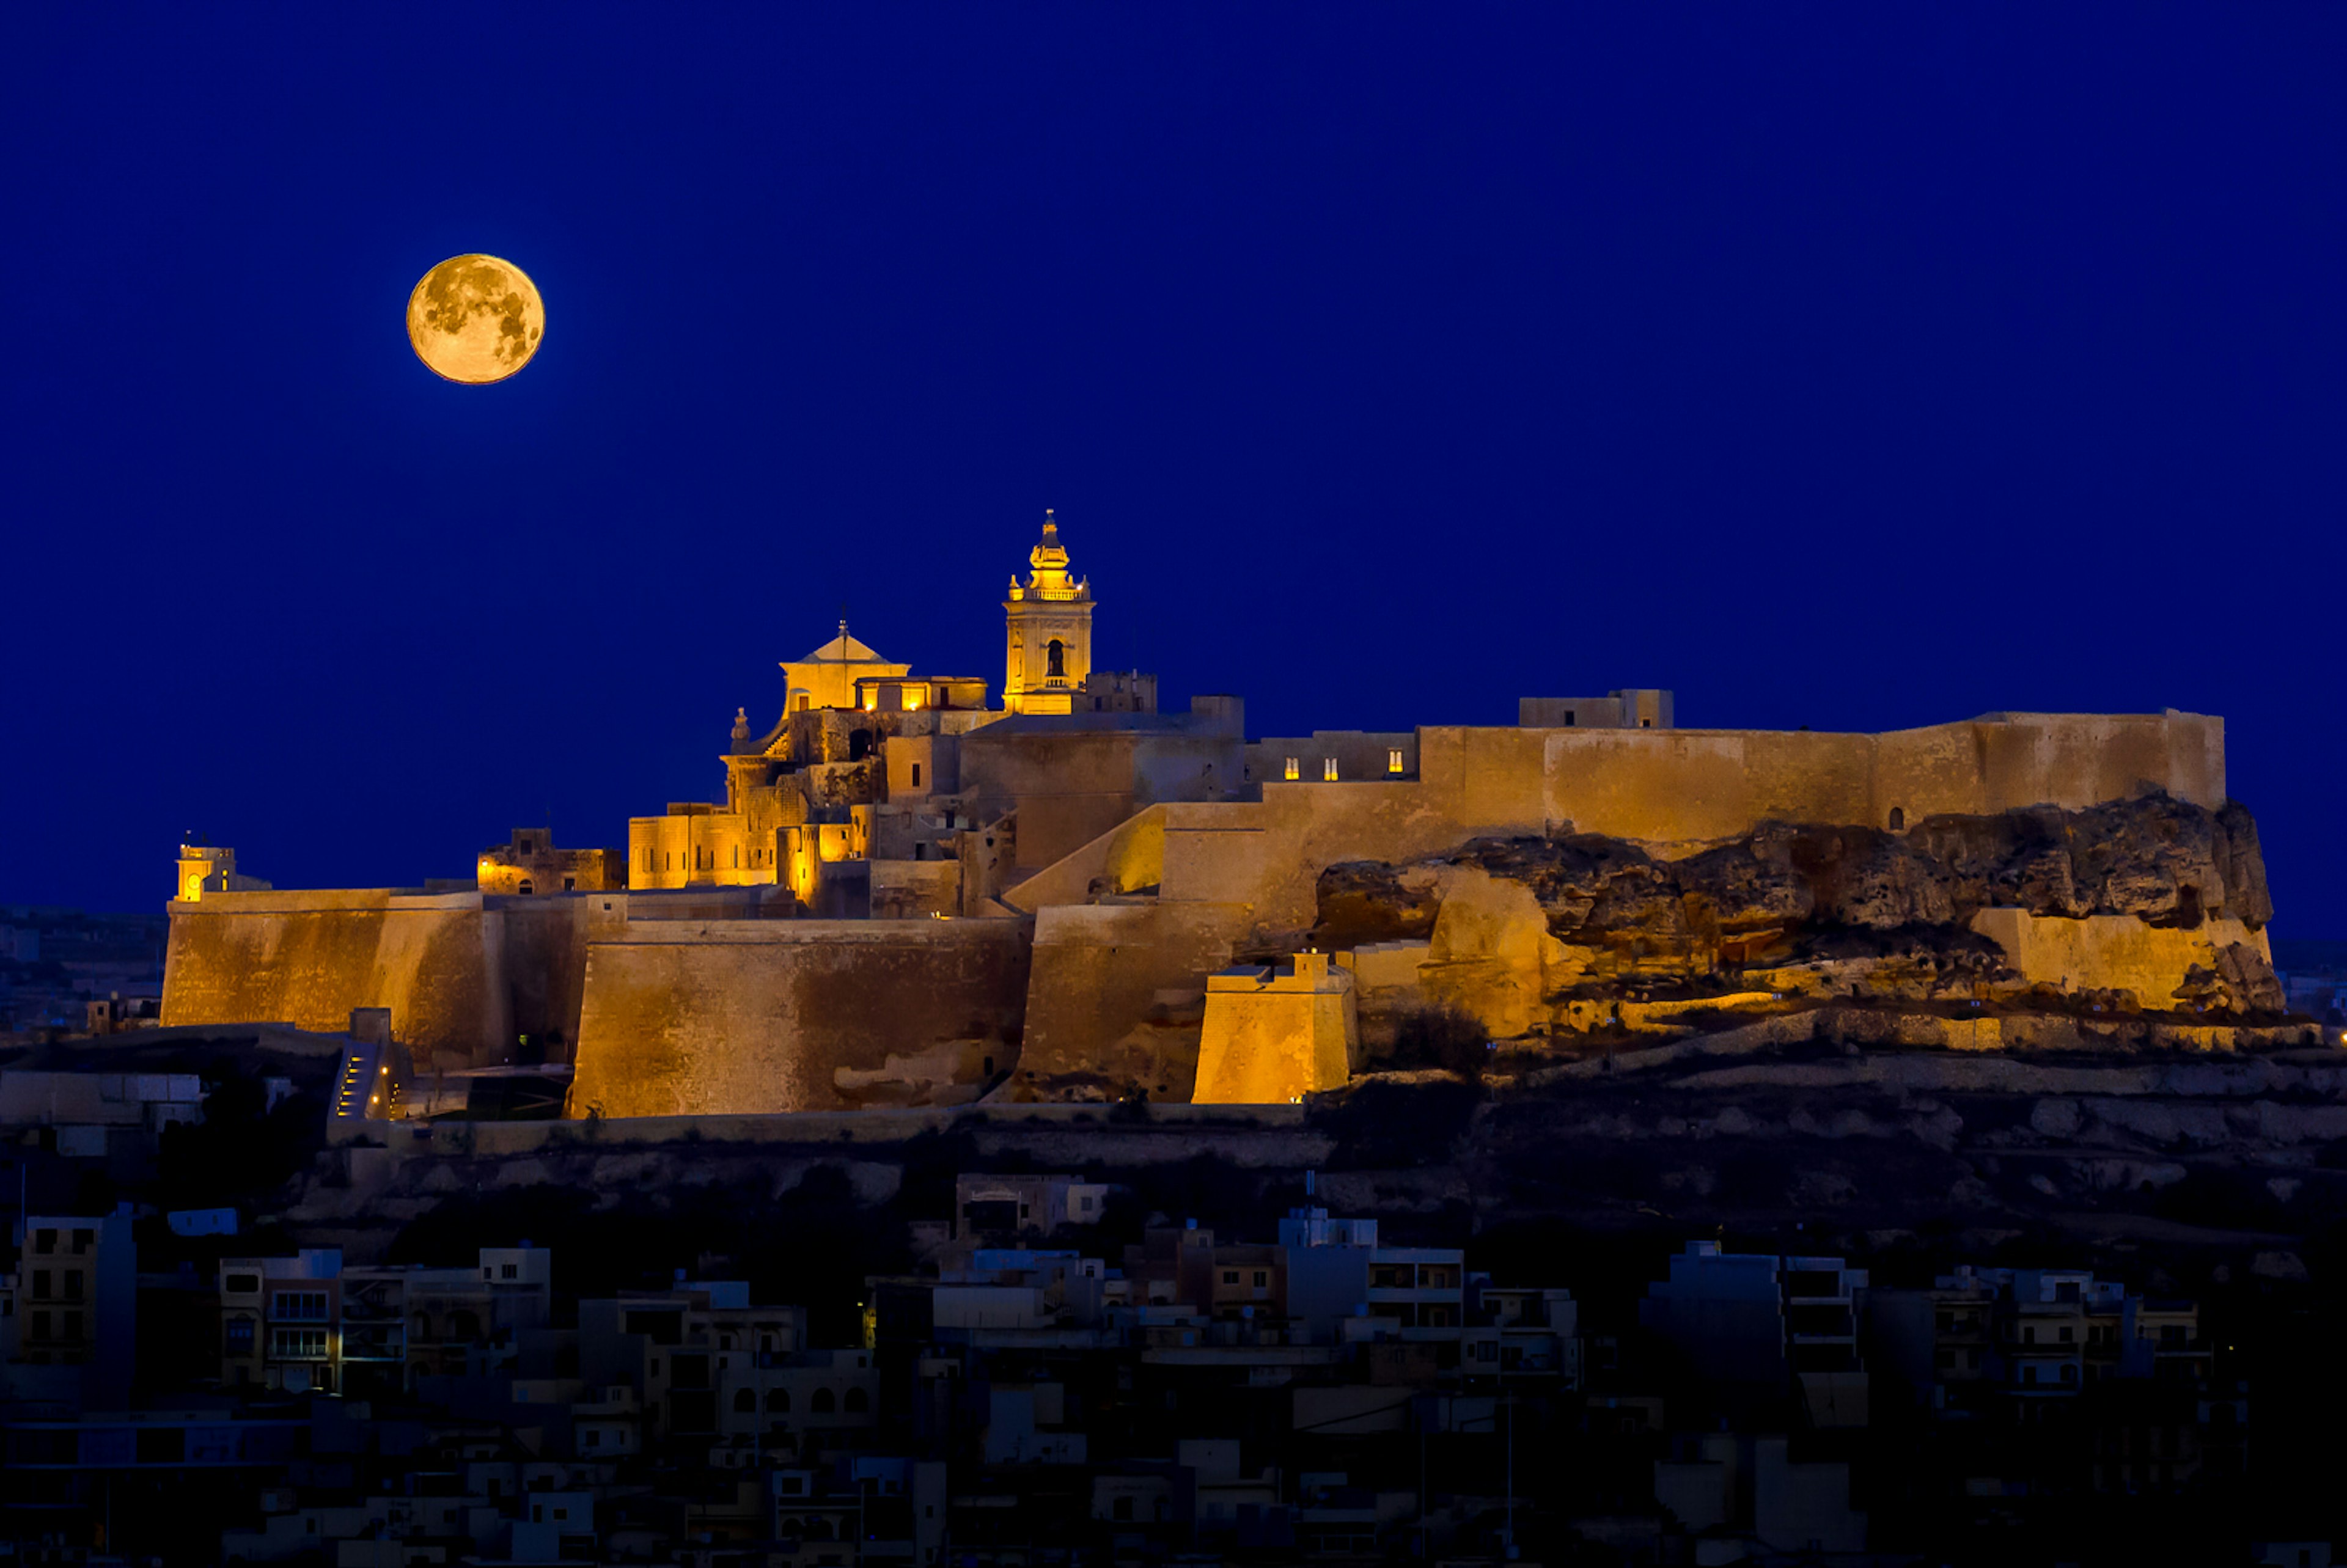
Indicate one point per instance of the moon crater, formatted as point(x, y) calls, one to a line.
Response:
point(475, 319)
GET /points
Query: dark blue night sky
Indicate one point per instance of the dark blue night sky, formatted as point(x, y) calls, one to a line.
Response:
point(1857, 367)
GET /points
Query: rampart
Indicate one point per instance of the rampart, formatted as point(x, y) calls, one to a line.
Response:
point(730, 1018)
point(1245, 872)
point(464, 974)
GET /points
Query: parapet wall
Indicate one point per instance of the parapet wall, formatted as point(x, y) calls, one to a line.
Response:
point(745, 1018)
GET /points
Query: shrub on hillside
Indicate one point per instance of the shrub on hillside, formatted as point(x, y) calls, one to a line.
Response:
point(1444, 1038)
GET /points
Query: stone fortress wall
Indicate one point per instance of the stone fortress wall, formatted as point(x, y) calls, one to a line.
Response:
point(1057, 881)
point(445, 964)
point(689, 1018)
point(465, 976)
point(1121, 934)
point(1237, 875)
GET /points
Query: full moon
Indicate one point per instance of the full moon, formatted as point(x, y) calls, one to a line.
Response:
point(475, 319)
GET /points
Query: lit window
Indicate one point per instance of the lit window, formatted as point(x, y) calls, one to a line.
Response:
point(1329, 769)
point(1292, 772)
point(1393, 759)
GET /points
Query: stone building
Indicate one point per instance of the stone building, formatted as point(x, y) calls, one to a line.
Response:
point(1049, 618)
point(530, 864)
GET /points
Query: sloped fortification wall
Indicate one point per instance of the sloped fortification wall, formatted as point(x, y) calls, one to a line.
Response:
point(307, 959)
point(691, 1018)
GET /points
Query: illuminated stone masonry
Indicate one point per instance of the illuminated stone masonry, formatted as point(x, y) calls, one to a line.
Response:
point(1078, 896)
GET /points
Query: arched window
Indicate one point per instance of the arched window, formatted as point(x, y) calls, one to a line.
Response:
point(1898, 819)
point(1055, 655)
point(857, 1402)
point(778, 1402)
point(822, 1402)
point(526, 886)
point(746, 1403)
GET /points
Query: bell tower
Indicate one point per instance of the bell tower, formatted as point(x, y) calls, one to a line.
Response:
point(1049, 620)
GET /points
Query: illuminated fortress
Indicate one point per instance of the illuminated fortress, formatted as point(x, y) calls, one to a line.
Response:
point(910, 897)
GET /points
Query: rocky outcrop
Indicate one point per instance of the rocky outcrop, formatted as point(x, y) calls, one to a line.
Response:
point(1515, 925)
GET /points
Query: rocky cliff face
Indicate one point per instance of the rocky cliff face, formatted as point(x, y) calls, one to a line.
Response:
point(1896, 908)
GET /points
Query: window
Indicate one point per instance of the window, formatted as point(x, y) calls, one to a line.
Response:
point(298, 1344)
point(1568, 718)
point(300, 1306)
point(1898, 819)
point(74, 1278)
point(41, 1326)
point(242, 1284)
point(239, 1339)
point(82, 1239)
point(1230, 1276)
point(1292, 772)
point(1393, 759)
point(1329, 769)
point(512, 1271)
point(1262, 1277)
point(45, 1240)
point(43, 1287)
point(1055, 660)
point(916, 775)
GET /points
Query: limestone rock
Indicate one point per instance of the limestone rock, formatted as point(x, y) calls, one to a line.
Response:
point(1808, 909)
